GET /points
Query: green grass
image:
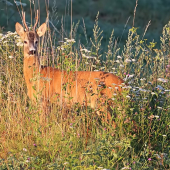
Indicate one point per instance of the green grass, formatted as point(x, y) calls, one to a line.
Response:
point(78, 139)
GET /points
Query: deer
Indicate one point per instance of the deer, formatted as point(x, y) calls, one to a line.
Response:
point(80, 86)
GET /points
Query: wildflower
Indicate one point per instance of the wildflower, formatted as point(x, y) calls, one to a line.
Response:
point(121, 65)
point(11, 57)
point(119, 57)
point(156, 116)
point(24, 149)
point(125, 168)
point(157, 156)
point(65, 163)
point(143, 90)
point(151, 117)
point(27, 161)
point(128, 97)
point(117, 61)
point(70, 40)
point(162, 80)
point(113, 68)
point(152, 93)
point(164, 135)
point(142, 79)
point(113, 98)
point(128, 60)
point(116, 88)
point(133, 60)
point(131, 75)
point(19, 44)
point(159, 87)
point(159, 107)
point(149, 159)
point(35, 145)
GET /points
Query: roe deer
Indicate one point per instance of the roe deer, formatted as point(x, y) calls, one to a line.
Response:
point(81, 86)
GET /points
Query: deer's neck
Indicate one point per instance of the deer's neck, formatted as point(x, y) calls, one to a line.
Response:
point(31, 67)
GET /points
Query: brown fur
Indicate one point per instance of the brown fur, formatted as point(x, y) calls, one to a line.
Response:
point(80, 86)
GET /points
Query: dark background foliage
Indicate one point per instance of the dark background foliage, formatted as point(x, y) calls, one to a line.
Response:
point(114, 14)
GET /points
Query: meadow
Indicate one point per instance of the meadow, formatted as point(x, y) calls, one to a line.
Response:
point(77, 138)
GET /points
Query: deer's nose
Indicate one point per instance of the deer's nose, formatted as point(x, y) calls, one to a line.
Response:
point(32, 50)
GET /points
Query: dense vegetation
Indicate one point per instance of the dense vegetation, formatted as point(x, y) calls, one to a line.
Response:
point(78, 138)
point(114, 14)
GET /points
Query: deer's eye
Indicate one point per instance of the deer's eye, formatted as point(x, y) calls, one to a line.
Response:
point(36, 42)
point(25, 42)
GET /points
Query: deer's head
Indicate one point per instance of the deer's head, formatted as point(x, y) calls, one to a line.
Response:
point(30, 38)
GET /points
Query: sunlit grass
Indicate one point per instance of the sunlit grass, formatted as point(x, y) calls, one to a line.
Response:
point(77, 137)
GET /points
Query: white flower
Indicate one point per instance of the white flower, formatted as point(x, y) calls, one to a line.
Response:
point(143, 90)
point(162, 80)
point(128, 97)
point(159, 87)
point(159, 107)
point(24, 149)
point(65, 163)
point(113, 68)
point(131, 75)
point(164, 135)
point(133, 60)
point(113, 98)
point(119, 57)
point(70, 40)
point(116, 88)
point(121, 65)
point(128, 60)
point(117, 61)
point(85, 50)
point(11, 57)
point(156, 116)
point(157, 156)
point(142, 79)
point(167, 90)
point(152, 93)
point(27, 161)
point(19, 44)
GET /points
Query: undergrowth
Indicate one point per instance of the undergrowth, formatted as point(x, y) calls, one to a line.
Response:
point(78, 139)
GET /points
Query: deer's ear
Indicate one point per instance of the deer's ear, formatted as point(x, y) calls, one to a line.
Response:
point(42, 29)
point(20, 30)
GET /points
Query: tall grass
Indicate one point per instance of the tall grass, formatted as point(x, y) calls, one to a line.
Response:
point(76, 138)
